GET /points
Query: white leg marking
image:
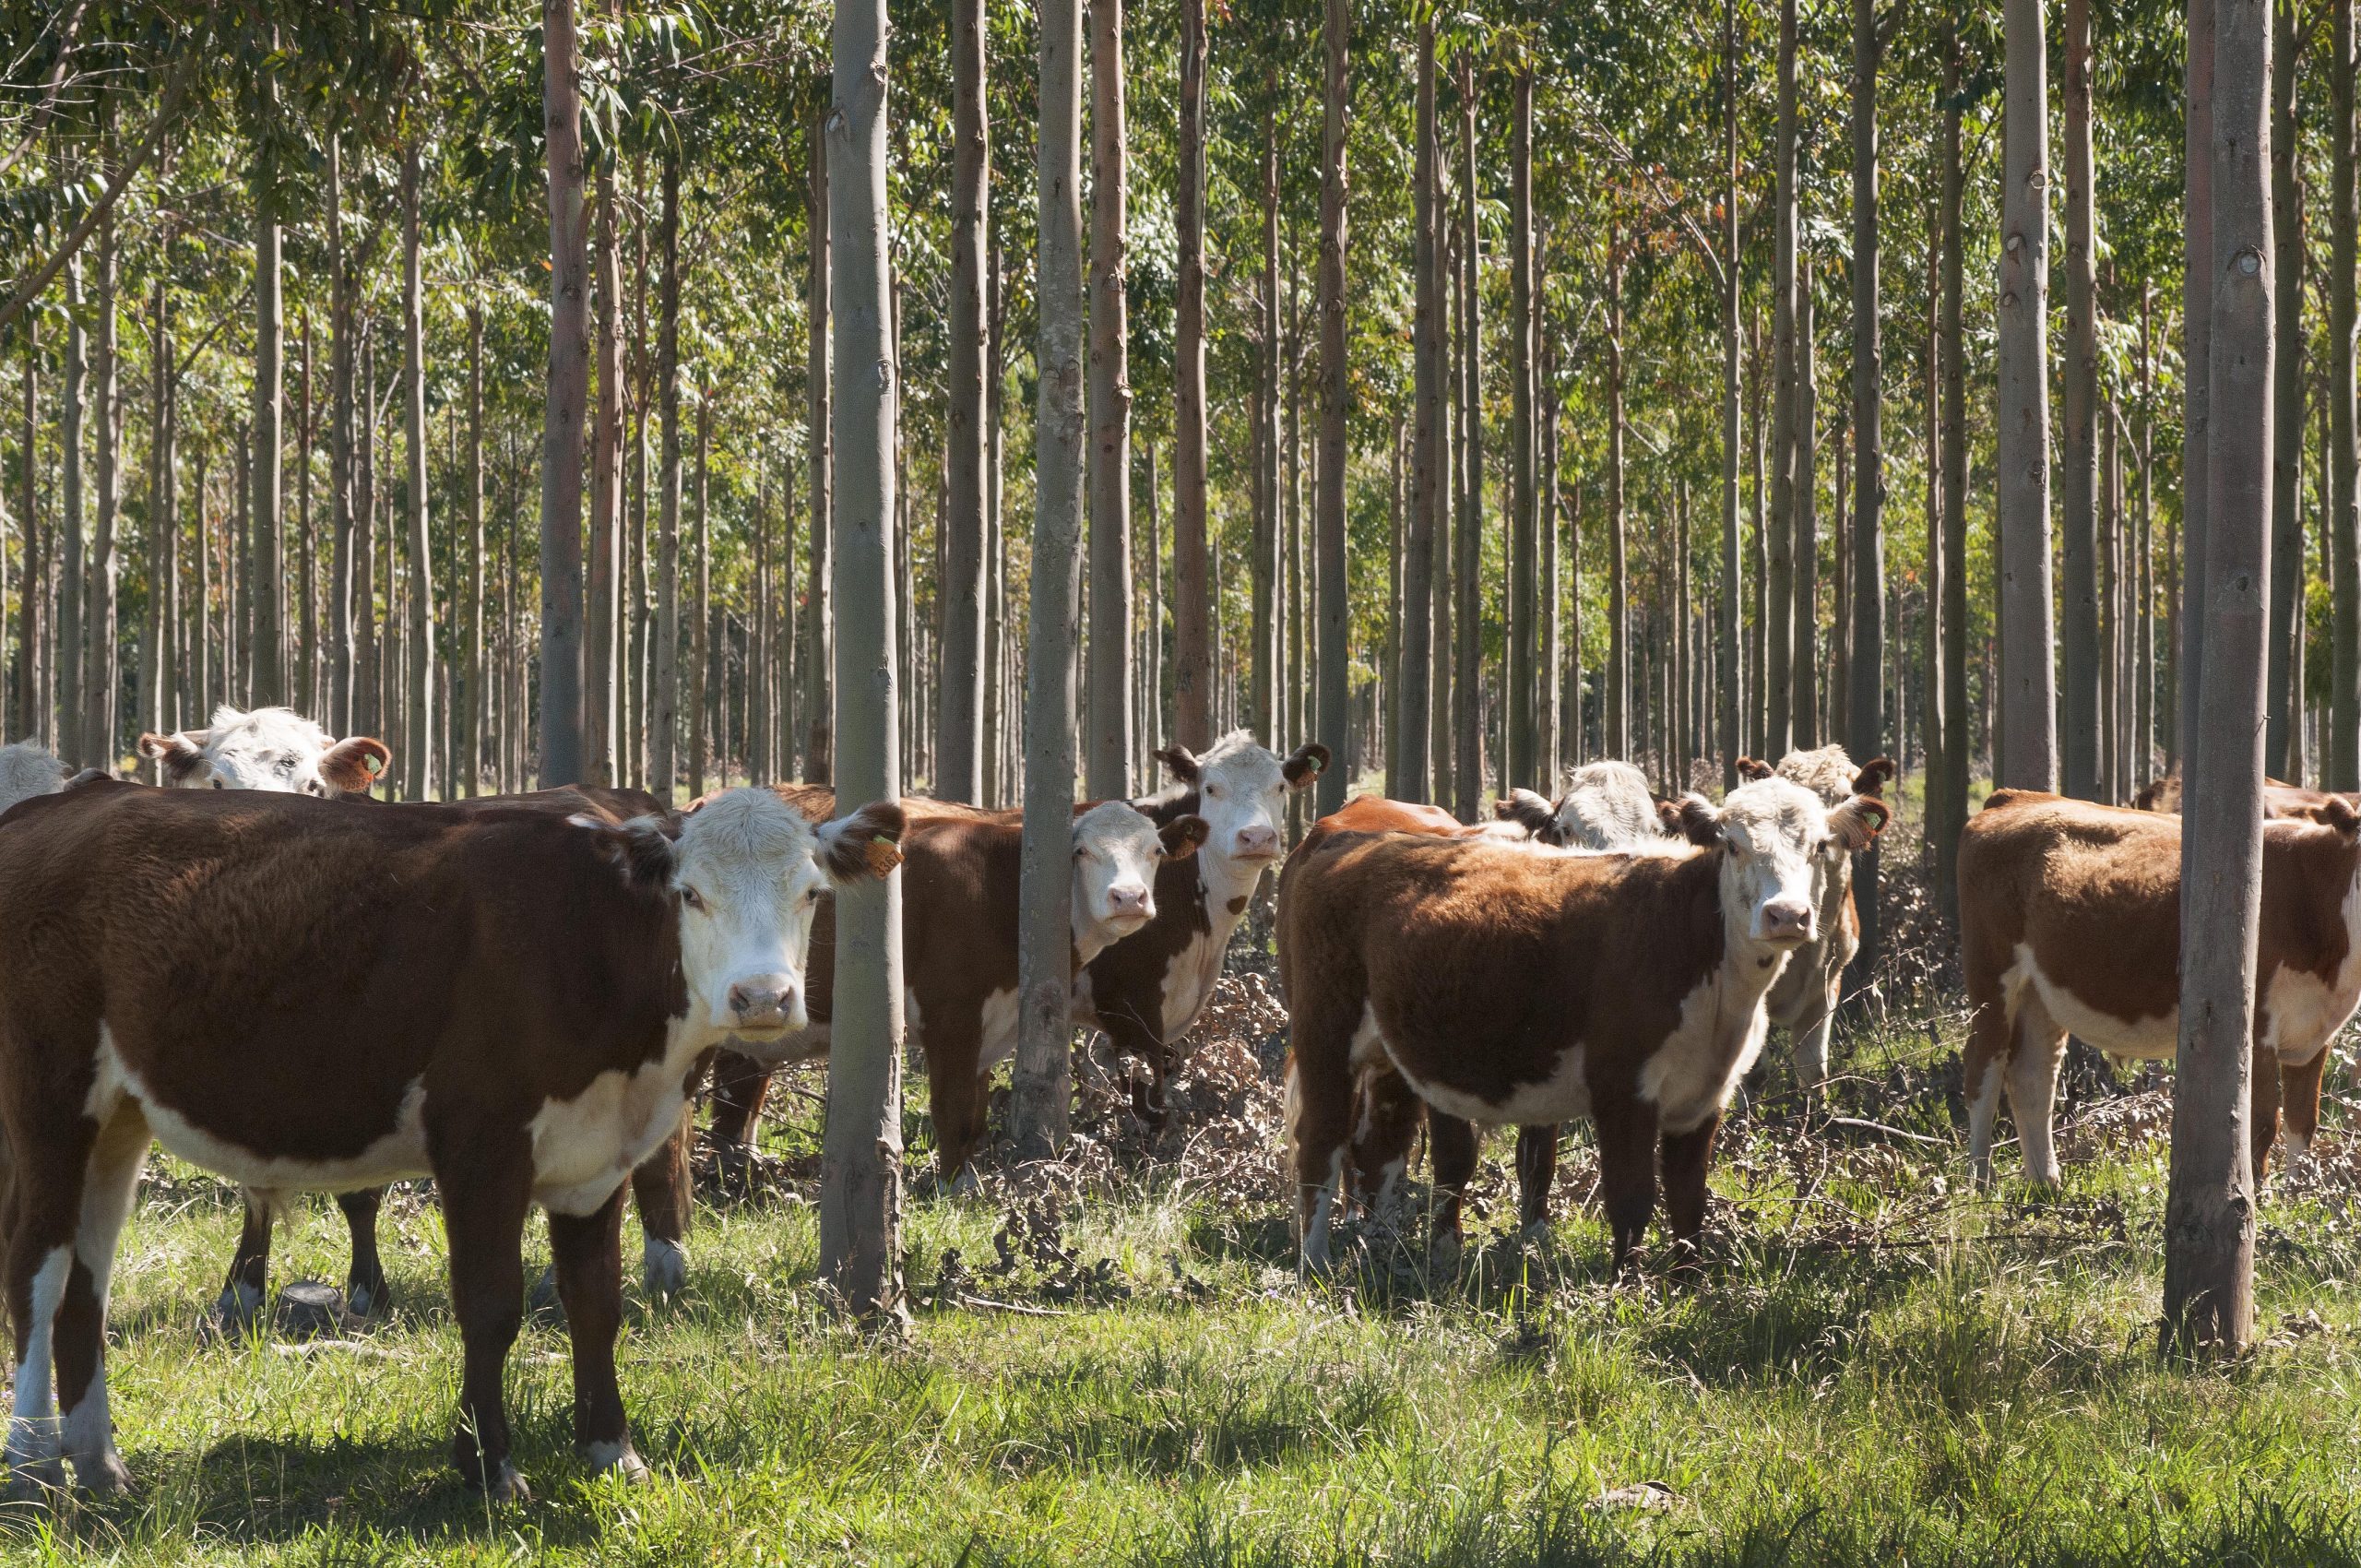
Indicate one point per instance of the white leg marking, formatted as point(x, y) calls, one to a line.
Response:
point(1983, 1109)
point(107, 1196)
point(32, 1423)
point(2033, 1086)
point(619, 1458)
point(1316, 1256)
point(1811, 1053)
point(663, 1268)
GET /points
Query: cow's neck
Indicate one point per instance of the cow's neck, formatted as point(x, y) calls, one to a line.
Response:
point(1227, 885)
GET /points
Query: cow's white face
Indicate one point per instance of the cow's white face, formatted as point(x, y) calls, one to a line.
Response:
point(1116, 851)
point(1242, 792)
point(273, 748)
point(1777, 836)
point(748, 869)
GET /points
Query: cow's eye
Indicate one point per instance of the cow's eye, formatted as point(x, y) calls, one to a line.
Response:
point(1213, 791)
point(693, 898)
point(219, 784)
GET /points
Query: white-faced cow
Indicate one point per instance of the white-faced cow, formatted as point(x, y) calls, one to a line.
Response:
point(2069, 921)
point(1509, 984)
point(267, 748)
point(1606, 806)
point(28, 769)
point(299, 994)
point(1804, 1002)
point(960, 876)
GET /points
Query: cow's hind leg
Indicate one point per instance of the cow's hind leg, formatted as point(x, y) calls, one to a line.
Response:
point(364, 1282)
point(2262, 1109)
point(1984, 1061)
point(238, 1307)
point(484, 1202)
point(588, 1249)
point(1386, 1116)
point(1536, 1172)
point(52, 1144)
point(116, 1158)
point(1688, 1158)
point(662, 1191)
point(2299, 1096)
point(2033, 1088)
point(1453, 1145)
point(1627, 1170)
point(1319, 1113)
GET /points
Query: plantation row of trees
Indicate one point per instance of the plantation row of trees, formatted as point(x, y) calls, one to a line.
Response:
point(1477, 391)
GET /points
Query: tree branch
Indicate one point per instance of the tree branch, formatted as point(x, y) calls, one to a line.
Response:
point(1670, 203)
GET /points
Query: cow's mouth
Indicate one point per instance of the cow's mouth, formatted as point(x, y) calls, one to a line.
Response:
point(1130, 921)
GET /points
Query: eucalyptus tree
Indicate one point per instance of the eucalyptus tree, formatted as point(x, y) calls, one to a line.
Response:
point(2341, 767)
point(1336, 393)
point(1413, 694)
point(2078, 451)
point(1865, 724)
point(568, 390)
point(2284, 743)
point(960, 758)
point(1193, 610)
point(2029, 701)
point(1108, 758)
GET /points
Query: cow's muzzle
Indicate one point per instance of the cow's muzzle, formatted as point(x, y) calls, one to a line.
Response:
point(763, 1005)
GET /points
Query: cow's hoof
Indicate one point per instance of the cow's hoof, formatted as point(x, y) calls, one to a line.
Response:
point(663, 1268)
point(30, 1480)
point(542, 1300)
point(362, 1300)
point(619, 1460)
point(234, 1313)
point(507, 1485)
point(103, 1476)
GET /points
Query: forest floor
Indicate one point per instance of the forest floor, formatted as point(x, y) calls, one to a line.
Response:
point(1878, 1366)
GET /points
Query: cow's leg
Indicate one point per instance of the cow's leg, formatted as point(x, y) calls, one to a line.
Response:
point(589, 1250)
point(740, 1084)
point(1810, 1039)
point(2299, 1095)
point(1452, 1145)
point(1536, 1172)
point(1627, 1170)
point(52, 1144)
point(662, 1191)
point(1319, 1112)
point(239, 1305)
point(116, 1158)
point(1983, 1062)
point(959, 1089)
point(1688, 1158)
point(364, 1282)
point(1386, 1123)
point(2262, 1109)
point(2033, 1088)
point(484, 1200)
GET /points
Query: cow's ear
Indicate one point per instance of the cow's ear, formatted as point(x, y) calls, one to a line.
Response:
point(643, 847)
point(1180, 762)
point(1525, 809)
point(1856, 824)
point(1311, 760)
point(1875, 775)
point(1750, 771)
point(353, 764)
point(1695, 818)
point(1668, 818)
point(178, 757)
point(867, 843)
point(1181, 836)
point(2338, 812)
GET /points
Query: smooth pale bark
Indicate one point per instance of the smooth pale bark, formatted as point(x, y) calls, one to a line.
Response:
point(1523, 697)
point(602, 615)
point(2209, 1218)
point(99, 572)
point(32, 709)
point(1108, 757)
point(2340, 766)
point(992, 758)
point(569, 374)
point(2029, 700)
point(701, 689)
point(960, 757)
point(341, 328)
point(1192, 650)
point(2144, 741)
point(1731, 688)
point(1336, 393)
point(1413, 688)
point(1958, 737)
point(1263, 568)
point(1779, 653)
point(2078, 698)
point(1758, 549)
point(472, 712)
point(1931, 707)
point(419, 726)
point(305, 693)
point(72, 508)
point(2283, 739)
point(1467, 729)
point(1804, 639)
point(664, 704)
point(819, 622)
point(2197, 328)
point(1616, 736)
point(1042, 1096)
point(1865, 723)
point(861, 1191)
point(270, 337)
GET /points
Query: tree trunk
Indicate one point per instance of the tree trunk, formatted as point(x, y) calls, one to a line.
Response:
point(1467, 680)
point(2197, 326)
point(341, 326)
point(1413, 688)
point(1263, 694)
point(417, 753)
point(860, 1205)
point(1522, 695)
point(819, 622)
point(1958, 739)
point(2078, 704)
point(99, 575)
point(471, 718)
point(1616, 739)
point(270, 334)
point(702, 730)
point(664, 710)
point(2209, 1227)
point(569, 374)
point(32, 709)
point(602, 619)
point(960, 760)
point(70, 511)
point(1758, 576)
point(2284, 743)
point(307, 536)
point(1193, 662)
point(2029, 704)
point(1780, 652)
point(1804, 639)
point(2341, 767)
point(995, 566)
point(1731, 687)
point(1110, 759)
point(1336, 393)
point(1043, 1079)
point(1932, 708)
point(1865, 733)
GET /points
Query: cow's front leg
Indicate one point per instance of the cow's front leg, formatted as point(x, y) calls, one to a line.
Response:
point(238, 1307)
point(486, 1189)
point(589, 1252)
point(662, 1191)
point(1688, 1158)
point(364, 1283)
point(1627, 1170)
point(1536, 1172)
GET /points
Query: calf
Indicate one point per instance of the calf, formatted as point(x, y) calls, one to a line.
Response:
point(2069, 921)
point(1804, 1002)
point(268, 748)
point(1606, 806)
point(296, 994)
point(1507, 984)
point(28, 769)
point(959, 929)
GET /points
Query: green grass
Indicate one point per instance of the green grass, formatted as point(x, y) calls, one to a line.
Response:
point(1878, 1368)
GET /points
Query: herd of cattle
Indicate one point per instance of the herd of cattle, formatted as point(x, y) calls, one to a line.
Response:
point(520, 996)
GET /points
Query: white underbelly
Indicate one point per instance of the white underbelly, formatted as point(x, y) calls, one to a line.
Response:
point(2146, 1038)
point(1564, 1096)
point(583, 1148)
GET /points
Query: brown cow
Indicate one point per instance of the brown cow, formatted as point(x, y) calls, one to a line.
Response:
point(1515, 984)
point(2279, 797)
point(2069, 921)
point(959, 926)
point(297, 994)
point(1804, 1002)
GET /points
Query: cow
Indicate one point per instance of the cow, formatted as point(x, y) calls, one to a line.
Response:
point(1147, 992)
point(297, 994)
point(266, 748)
point(2069, 921)
point(959, 930)
point(1606, 806)
point(28, 769)
point(1804, 1002)
point(2279, 797)
point(1503, 982)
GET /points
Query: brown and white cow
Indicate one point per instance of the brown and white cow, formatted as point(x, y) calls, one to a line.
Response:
point(266, 748)
point(1606, 806)
point(296, 994)
point(27, 770)
point(1804, 1002)
point(1509, 984)
point(1146, 990)
point(2069, 922)
point(2279, 797)
point(961, 868)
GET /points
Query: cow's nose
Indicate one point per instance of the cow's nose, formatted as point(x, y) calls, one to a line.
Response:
point(1258, 840)
point(761, 1001)
point(1786, 920)
point(1127, 901)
